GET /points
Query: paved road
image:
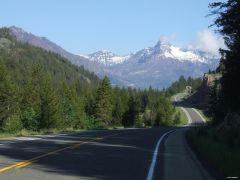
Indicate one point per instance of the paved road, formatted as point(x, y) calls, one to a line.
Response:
point(193, 115)
point(114, 154)
point(178, 159)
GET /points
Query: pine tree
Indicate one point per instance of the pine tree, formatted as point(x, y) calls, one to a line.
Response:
point(221, 67)
point(138, 121)
point(165, 111)
point(31, 103)
point(68, 112)
point(103, 106)
point(118, 112)
point(9, 108)
point(50, 111)
point(228, 23)
point(78, 103)
point(133, 111)
point(177, 118)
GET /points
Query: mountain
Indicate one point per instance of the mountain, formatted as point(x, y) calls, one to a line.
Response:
point(48, 45)
point(21, 58)
point(156, 66)
point(107, 58)
point(161, 65)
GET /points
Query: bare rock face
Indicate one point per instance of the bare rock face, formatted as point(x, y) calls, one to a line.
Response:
point(209, 81)
point(5, 43)
point(202, 97)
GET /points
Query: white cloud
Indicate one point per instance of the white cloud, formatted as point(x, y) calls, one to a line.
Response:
point(208, 41)
point(168, 39)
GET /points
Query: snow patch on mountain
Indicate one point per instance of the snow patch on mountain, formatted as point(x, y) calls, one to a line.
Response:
point(161, 50)
point(107, 58)
point(177, 53)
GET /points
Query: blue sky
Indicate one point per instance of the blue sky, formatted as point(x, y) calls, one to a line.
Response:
point(123, 26)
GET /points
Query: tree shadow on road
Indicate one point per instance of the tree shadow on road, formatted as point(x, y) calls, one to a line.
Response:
point(126, 155)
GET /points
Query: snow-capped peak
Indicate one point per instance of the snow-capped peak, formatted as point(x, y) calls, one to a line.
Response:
point(161, 50)
point(177, 53)
point(107, 58)
point(169, 51)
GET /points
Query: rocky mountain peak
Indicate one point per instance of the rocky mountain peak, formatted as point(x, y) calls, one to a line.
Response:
point(107, 58)
point(157, 66)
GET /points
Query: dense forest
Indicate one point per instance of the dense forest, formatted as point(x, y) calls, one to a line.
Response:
point(225, 98)
point(180, 85)
point(40, 90)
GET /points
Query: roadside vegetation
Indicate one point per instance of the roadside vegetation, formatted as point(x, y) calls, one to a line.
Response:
point(221, 155)
point(219, 142)
point(182, 117)
point(42, 92)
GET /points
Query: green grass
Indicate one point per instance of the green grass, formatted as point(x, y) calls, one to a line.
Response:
point(26, 133)
point(224, 158)
point(7, 135)
point(115, 127)
point(183, 116)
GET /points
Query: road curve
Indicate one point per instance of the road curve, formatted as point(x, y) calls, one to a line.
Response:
point(116, 154)
point(179, 162)
point(156, 153)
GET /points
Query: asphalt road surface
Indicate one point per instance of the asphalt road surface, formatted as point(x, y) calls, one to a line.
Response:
point(154, 153)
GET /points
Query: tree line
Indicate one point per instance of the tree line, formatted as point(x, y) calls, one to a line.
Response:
point(180, 85)
point(225, 97)
point(40, 90)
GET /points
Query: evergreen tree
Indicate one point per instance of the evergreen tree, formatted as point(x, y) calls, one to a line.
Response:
point(50, 115)
point(228, 23)
point(160, 117)
point(56, 94)
point(221, 67)
point(78, 103)
point(103, 106)
point(31, 103)
point(165, 111)
point(133, 111)
point(9, 109)
point(138, 121)
point(118, 112)
point(68, 112)
point(177, 118)
point(180, 85)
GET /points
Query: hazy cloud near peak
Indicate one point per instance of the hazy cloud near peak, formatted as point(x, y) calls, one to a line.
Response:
point(168, 39)
point(208, 41)
point(205, 40)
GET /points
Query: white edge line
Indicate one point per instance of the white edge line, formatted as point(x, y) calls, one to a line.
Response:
point(185, 111)
point(199, 114)
point(155, 153)
point(187, 114)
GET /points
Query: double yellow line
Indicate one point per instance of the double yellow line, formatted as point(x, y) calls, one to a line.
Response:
point(26, 163)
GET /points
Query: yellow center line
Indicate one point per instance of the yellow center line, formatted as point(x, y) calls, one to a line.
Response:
point(26, 163)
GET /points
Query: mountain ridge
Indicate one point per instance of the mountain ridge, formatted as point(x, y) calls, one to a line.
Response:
point(169, 51)
point(156, 66)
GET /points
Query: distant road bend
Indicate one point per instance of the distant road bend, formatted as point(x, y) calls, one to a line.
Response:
point(157, 153)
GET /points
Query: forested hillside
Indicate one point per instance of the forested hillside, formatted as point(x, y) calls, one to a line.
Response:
point(40, 90)
point(180, 85)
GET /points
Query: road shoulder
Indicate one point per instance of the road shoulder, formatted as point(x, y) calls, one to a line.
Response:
point(179, 161)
